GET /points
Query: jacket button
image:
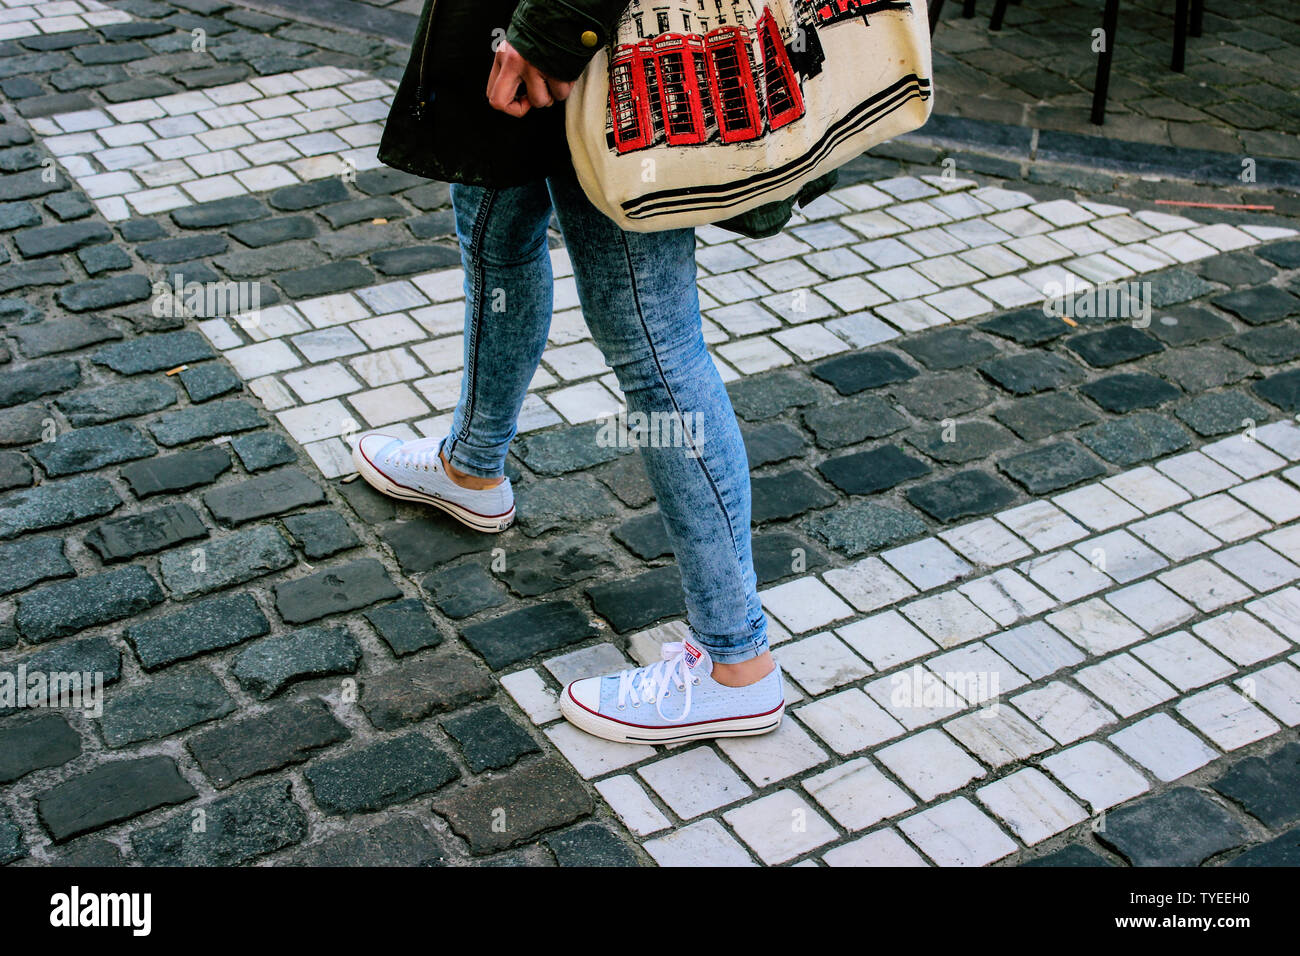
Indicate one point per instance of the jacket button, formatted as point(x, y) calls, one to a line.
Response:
point(589, 38)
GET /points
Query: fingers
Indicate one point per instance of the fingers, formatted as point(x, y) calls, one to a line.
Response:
point(538, 93)
point(560, 90)
point(503, 88)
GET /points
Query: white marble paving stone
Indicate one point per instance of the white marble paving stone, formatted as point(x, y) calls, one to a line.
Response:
point(929, 763)
point(984, 542)
point(1064, 712)
point(1282, 437)
point(576, 361)
point(927, 564)
point(1151, 606)
point(1096, 506)
point(1249, 459)
point(998, 735)
point(1042, 524)
point(1125, 685)
point(1037, 249)
point(956, 833)
point(332, 457)
point(936, 242)
point(780, 826)
point(1258, 565)
point(913, 315)
point(694, 781)
point(915, 697)
point(388, 404)
point(1285, 541)
point(273, 395)
point(1227, 718)
point(1205, 585)
point(1223, 236)
point(902, 282)
point(325, 344)
point(976, 672)
point(1147, 489)
point(320, 382)
point(787, 275)
point(1096, 774)
point(852, 294)
point(1096, 626)
point(1277, 689)
point(834, 263)
point(820, 663)
point(384, 331)
point(1123, 556)
point(1281, 611)
point(797, 306)
point(307, 423)
point(1008, 291)
point(706, 843)
point(1183, 661)
point(262, 358)
point(1006, 596)
point(1225, 517)
point(949, 618)
point(592, 756)
point(757, 354)
point(1035, 649)
point(533, 696)
point(857, 795)
point(861, 330)
point(631, 805)
point(992, 260)
point(884, 253)
point(1164, 747)
point(804, 604)
point(810, 342)
point(849, 721)
point(767, 758)
point(1198, 473)
point(886, 639)
point(1174, 536)
point(387, 367)
point(1181, 246)
point(869, 584)
point(1065, 575)
point(1241, 637)
point(583, 403)
point(879, 848)
point(1031, 805)
point(1271, 497)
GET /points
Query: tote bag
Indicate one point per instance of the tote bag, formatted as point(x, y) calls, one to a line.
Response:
point(700, 110)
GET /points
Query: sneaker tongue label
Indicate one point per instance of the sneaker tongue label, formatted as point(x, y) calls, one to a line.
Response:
point(692, 654)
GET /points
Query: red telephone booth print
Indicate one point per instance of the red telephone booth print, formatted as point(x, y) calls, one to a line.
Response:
point(680, 61)
point(629, 101)
point(731, 81)
point(783, 99)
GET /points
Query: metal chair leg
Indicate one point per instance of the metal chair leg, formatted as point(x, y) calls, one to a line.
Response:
point(999, 11)
point(936, 9)
point(1101, 87)
point(1198, 16)
point(1180, 36)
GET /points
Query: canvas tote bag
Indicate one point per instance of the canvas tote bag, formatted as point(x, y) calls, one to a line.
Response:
point(700, 110)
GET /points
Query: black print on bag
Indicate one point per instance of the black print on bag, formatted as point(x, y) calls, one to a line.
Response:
point(708, 77)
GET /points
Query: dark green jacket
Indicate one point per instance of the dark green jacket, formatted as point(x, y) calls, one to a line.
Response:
point(441, 126)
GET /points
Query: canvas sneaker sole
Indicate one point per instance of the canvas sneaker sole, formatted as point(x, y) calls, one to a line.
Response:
point(627, 732)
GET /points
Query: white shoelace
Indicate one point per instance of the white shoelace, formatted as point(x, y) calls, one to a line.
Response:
point(423, 456)
point(650, 684)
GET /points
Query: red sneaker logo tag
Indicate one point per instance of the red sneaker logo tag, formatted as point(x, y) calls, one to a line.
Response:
point(692, 654)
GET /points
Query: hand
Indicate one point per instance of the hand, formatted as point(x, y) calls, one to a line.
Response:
point(509, 71)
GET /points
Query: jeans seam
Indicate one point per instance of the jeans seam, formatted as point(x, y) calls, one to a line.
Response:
point(668, 389)
point(471, 373)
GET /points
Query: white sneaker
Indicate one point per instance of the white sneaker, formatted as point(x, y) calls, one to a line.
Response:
point(412, 471)
point(673, 700)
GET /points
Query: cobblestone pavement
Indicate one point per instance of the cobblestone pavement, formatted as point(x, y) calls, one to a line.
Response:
point(1237, 94)
point(1100, 516)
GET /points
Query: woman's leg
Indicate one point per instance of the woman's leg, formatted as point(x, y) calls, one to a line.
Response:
point(640, 301)
point(508, 298)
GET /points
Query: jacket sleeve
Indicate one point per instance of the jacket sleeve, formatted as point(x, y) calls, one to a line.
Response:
point(560, 37)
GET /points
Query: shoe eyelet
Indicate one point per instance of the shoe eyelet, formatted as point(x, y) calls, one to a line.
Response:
point(622, 706)
point(637, 704)
point(681, 686)
point(695, 681)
